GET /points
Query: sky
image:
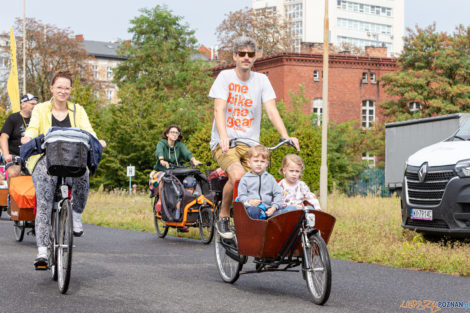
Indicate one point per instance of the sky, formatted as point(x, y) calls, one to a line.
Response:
point(108, 20)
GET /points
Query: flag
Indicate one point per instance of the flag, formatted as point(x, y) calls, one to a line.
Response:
point(12, 84)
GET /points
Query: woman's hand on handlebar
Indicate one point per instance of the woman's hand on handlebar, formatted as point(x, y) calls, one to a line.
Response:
point(195, 161)
point(103, 143)
point(165, 163)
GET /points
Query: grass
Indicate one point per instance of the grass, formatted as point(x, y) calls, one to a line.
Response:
point(367, 230)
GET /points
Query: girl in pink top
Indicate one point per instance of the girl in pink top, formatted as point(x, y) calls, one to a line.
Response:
point(295, 191)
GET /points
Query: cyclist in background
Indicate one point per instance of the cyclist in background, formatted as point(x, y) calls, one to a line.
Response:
point(12, 131)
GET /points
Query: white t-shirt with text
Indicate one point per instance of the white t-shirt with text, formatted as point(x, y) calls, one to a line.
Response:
point(244, 104)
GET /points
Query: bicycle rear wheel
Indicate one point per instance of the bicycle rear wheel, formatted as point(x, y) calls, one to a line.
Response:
point(318, 277)
point(19, 228)
point(64, 249)
point(225, 255)
point(206, 224)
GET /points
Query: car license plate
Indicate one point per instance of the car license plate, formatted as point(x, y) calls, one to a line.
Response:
point(420, 214)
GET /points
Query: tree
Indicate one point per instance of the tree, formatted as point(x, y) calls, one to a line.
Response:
point(48, 49)
point(270, 30)
point(159, 84)
point(434, 72)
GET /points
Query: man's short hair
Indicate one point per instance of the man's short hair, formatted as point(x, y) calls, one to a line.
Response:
point(242, 42)
point(258, 150)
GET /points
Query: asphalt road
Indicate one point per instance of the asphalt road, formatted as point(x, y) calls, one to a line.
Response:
point(125, 271)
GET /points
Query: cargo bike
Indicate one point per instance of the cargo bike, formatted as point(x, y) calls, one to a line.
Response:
point(181, 209)
point(281, 243)
point(18, 200)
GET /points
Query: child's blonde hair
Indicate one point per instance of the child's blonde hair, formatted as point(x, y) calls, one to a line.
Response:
point(258, 150)
point(293, 158)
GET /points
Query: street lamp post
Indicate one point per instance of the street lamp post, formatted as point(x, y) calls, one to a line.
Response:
point(324, 133)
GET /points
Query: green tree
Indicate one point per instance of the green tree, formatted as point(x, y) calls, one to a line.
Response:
point(434, 71)
point(159, 84)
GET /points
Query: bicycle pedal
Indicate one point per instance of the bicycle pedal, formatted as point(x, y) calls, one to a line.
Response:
point(41, 267)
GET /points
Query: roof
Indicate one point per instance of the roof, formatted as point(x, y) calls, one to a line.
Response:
point(102, 49)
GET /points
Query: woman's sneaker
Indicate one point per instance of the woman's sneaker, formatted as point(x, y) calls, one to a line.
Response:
point(223, 228)
point(40, 263)
point(77, 224)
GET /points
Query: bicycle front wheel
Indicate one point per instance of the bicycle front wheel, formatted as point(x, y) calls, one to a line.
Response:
point(226, 254)
point(318, 277)
point(206, 224)
point(53, 246)
point(64, 249)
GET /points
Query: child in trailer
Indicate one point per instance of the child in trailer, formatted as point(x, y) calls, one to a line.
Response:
point(258, 190)
point(295, 191)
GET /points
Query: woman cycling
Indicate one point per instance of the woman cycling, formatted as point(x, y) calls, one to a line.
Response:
point(62, 113)
point(170, 150)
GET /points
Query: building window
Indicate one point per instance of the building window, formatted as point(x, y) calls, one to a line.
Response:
point(95, 71)
point(415, 107)
point(316, 75)
point(317, 110)
point(368, 113)
point(364, 78)
point(109, 72)
point(109, 94)
point(372, 78)
point(370, 159)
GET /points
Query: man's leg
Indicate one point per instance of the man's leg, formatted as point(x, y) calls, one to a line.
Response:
point(13, 171)
point(234, 172)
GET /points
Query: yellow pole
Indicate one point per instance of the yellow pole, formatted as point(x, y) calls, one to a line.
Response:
point(324, 120)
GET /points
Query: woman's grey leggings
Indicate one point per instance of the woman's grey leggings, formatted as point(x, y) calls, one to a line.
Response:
point(45, 186)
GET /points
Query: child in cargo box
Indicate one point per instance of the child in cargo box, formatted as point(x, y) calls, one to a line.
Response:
point(258, 190)
point(295, 191)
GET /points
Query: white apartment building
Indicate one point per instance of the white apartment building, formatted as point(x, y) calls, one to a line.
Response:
point(358, 22)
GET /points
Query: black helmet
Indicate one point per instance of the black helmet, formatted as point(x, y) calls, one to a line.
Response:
point(189, 182)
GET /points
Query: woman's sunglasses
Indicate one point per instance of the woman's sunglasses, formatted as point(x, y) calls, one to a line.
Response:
point(243, 53)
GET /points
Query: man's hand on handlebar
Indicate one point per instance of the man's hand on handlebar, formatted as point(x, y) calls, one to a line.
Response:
point(295, 141)
point(224, 144)
point(8, 158)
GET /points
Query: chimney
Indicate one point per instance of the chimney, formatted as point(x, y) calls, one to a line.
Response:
point(79, 38)
point(378, 52)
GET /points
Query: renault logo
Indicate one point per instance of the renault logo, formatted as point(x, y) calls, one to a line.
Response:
point(422, 172)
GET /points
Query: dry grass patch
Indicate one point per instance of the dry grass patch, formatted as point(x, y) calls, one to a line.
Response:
point(367, 230)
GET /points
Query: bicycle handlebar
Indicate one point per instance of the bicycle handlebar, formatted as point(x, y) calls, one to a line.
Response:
point(282, 141)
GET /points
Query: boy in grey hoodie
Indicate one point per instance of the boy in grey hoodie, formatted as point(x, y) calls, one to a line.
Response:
point(258, 190)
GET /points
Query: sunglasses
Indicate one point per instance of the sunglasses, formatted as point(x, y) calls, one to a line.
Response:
point(243, 53)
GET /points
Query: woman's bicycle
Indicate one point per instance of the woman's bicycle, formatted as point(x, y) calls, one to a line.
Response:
point(61, 237)
point(281, 243)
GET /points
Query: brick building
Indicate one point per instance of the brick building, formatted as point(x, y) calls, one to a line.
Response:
point(354, 90)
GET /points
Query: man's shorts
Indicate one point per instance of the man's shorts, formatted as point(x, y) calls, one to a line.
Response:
point(237, 154)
